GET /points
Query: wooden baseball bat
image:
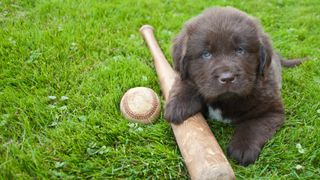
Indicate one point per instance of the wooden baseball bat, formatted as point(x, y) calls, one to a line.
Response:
point(201, 153)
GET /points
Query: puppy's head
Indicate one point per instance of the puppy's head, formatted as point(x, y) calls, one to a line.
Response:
point(223, 52)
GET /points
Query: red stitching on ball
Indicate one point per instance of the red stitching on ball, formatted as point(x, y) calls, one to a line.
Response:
point(142, 116)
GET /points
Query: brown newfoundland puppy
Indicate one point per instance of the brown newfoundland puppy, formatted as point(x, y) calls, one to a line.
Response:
point(229, 71)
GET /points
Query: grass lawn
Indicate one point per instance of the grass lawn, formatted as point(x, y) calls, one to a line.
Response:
point(64, 66)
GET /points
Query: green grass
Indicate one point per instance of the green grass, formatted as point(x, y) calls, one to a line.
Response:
point(91, 52)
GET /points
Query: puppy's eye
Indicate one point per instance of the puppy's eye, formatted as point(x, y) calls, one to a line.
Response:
point(206, 55)
point(240, 50)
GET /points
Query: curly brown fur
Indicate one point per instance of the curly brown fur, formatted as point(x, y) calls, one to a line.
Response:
point(227, 65)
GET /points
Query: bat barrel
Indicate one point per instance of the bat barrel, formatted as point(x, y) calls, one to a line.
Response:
point(200, 150)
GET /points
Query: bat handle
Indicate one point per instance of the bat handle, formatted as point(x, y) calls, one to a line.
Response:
point(160, 62)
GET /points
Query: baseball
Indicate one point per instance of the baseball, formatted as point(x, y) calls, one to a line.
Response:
point(141, 105)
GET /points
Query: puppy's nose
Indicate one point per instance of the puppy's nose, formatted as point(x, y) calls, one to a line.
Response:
point(226, 77)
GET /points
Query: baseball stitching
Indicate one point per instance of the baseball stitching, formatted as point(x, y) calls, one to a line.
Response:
point(144, 116)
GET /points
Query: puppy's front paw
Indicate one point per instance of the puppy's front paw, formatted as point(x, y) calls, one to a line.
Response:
point(243, 153)
point(184, 102)
point(174, 113)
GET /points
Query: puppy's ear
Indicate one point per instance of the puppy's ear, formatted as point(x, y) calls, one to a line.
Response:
point(179, 51)
point(265, 54)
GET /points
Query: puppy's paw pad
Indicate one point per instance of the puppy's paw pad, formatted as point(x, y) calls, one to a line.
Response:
point(244, 155)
